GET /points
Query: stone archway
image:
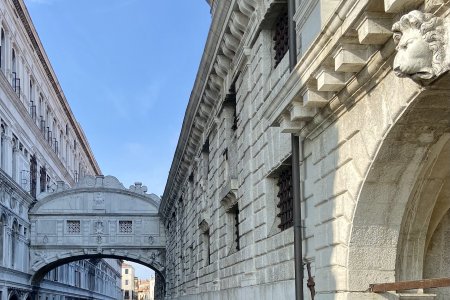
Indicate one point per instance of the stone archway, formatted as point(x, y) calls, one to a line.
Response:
point(397, 201)
point(98, 218)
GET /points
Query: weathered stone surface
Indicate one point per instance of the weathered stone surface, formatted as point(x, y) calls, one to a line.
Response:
point(373, 168)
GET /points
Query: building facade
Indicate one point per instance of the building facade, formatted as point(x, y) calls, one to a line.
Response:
point(364, 93)
point(146, 289)
point(129, 289)
point(41, 143)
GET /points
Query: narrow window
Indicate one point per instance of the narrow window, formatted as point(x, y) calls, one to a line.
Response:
point(15, 76)
point(207, 247)
point(226, 165)
point(14, 150)
point(33, 111)
point(280, 37)
point(41, 113)
point(43, 179)
point(205, 159)
point(285, 203)
point(234, 213)
point(33, 176)
point(14, 237)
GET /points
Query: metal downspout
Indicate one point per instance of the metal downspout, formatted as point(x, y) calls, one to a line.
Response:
point(297, 187)
point(297, 151)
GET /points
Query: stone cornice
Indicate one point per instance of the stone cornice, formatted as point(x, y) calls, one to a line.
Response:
point(194, 101)
point(324, 81)
point(40, 52)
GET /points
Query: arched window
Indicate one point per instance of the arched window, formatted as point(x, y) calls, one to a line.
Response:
point(2, 49)
point(14, 244)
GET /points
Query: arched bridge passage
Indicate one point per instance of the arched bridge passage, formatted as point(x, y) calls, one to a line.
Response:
point(98, 218)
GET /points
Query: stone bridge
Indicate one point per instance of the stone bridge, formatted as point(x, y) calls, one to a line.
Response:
point(98, 218)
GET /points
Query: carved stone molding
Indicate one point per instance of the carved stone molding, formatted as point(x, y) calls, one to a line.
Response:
point(422, 46)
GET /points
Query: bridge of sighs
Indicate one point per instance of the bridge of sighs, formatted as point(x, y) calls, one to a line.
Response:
point(97, 218)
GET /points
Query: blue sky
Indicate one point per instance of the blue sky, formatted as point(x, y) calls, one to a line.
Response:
point(127, 68)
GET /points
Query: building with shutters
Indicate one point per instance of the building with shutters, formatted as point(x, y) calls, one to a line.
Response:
point(316, 139)
point(41, 143)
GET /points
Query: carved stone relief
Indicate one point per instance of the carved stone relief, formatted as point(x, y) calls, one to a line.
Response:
point(99, 201)
point(422, 46)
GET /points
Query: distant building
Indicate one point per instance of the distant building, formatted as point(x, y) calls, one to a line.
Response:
point(146, 289)
point(128, 282)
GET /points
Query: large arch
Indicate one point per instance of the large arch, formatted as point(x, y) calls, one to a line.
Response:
point(98, 218)
point(402, 199)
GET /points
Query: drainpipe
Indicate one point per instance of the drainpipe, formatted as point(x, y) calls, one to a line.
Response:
point(297, 151)
point(297, 188)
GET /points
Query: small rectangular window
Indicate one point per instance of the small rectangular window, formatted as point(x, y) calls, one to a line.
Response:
point(285, 196)
point(73, 227)
point(281, 37)
point(125, 226)
point(207, 247)
point(234, 211)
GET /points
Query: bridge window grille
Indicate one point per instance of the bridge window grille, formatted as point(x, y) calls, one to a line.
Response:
point(281, 37)
point(285, 203)
point(73, 227)
point(125, 226)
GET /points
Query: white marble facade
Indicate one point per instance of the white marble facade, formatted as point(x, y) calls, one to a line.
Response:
point(369, 99)
point(41, 143)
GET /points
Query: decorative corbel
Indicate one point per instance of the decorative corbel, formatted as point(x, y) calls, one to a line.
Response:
point(222, 66)
point(231, 42)
point(247, 7)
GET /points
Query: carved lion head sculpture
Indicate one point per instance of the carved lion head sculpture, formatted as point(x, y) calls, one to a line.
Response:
point(420, 39)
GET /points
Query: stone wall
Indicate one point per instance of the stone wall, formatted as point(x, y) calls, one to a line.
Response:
point(371, 141)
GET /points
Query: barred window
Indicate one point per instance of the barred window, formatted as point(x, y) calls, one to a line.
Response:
point(125, 226)
point(234, 211)
point(281, 37)
point(207, 247)
point(285, 203)
point(73, 227)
